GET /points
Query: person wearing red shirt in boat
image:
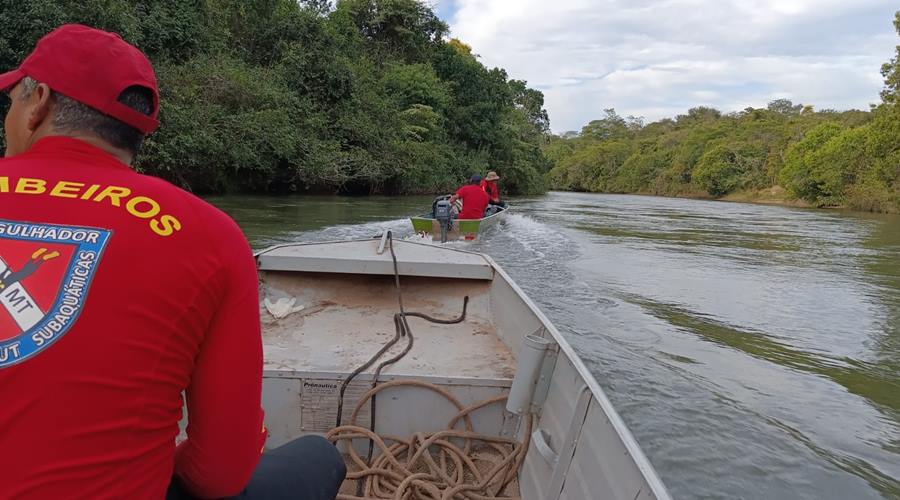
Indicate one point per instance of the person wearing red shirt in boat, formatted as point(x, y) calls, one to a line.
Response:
point(489, 185)
point(119, 293)
point(474, 199)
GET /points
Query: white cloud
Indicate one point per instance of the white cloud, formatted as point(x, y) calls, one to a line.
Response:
point(659, 58)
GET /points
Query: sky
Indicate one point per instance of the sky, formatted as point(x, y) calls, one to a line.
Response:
point(658, 58)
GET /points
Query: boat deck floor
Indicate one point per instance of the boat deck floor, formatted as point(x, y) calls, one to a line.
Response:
point(346, 319)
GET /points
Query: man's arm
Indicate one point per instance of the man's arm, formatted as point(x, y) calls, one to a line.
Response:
point(455, 196)
point(225, 421)
point(494, 192)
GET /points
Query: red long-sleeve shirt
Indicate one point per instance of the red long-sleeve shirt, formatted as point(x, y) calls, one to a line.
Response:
point(490, 187)
point(118, 292)
point(475, 200)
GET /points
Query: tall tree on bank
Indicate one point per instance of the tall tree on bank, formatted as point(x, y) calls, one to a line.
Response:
point(891, 72)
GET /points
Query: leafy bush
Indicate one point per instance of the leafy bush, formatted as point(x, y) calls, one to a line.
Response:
point(718, 172)
point(797, 175)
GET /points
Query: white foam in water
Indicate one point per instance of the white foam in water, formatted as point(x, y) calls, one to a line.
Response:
point(401, 228)
point(536, 238)
point(515, 239)
point(517, 236)
point(418, 238)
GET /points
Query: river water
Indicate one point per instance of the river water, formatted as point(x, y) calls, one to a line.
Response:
point(754, 351)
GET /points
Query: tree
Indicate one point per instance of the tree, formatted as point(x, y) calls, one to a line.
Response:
point(785, 107)
point(209, 103)
point(531, 103)
point(611, 126)
point(405, 28)
point(461, 47)
point(634, 123)
point(891, 72)
point(834, 166)
point(699, 114)
point(479, 98)
point(724, 169)
point(411, 84)
point(797, 175)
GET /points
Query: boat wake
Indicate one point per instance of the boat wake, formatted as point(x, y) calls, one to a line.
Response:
point(521, 239)
point(399, 227)
point(516, 239)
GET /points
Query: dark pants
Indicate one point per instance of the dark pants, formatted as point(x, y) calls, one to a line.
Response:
point(307, 468)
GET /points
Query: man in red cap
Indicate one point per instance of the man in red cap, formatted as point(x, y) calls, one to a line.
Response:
point(119, 293)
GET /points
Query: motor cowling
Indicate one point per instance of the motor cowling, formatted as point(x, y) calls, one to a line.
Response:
point(444, 217)
point(442, 211)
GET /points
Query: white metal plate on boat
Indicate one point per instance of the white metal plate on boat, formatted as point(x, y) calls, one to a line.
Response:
point(362, 257)
point(347, 318)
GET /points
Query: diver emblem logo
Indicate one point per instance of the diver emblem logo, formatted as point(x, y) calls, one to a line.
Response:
point(45, 274)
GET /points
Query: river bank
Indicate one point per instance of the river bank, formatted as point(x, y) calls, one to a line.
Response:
point(778, 196)
point(775, 195)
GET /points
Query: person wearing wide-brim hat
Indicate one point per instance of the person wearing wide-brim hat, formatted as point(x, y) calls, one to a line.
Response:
point(489, 184)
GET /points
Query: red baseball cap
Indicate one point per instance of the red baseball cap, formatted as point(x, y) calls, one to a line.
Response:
point(92, 67)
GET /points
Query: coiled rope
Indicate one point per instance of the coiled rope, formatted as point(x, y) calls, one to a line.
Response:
point(444, 465)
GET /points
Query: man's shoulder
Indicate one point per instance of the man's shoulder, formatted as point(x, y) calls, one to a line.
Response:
point(478, 191)
point(215, 223)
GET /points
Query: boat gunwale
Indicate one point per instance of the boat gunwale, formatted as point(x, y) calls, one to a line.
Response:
point(260, 253)
point(631, 444)
point(368, 376)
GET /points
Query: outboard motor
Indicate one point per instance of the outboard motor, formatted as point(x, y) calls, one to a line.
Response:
point(444, 217)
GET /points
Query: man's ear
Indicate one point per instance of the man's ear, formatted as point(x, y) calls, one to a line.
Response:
point(39, 104)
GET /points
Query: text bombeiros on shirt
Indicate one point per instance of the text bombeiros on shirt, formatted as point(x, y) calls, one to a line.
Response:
point(141, 207)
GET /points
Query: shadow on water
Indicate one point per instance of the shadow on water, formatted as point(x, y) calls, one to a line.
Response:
point(883, 265)
point(687, 239)
point(878, 383)
point(879, 481)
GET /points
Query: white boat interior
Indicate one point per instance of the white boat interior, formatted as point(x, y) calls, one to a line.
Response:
point(352, 322)
point(327, 308)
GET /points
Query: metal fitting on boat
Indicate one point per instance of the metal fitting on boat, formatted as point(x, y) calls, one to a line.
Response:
point(531, 359)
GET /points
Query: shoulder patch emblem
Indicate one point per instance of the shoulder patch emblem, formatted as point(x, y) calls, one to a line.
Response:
point(45, 274)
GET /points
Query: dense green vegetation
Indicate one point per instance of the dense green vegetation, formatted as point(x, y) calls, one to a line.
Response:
point(826, 158)
point(278, 95)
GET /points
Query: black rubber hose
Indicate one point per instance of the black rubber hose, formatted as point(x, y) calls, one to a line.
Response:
point(401, 329)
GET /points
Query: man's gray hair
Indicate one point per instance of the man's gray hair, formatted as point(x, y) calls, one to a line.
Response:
point(72, 116)
point(28, 86)
point(69, 114)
